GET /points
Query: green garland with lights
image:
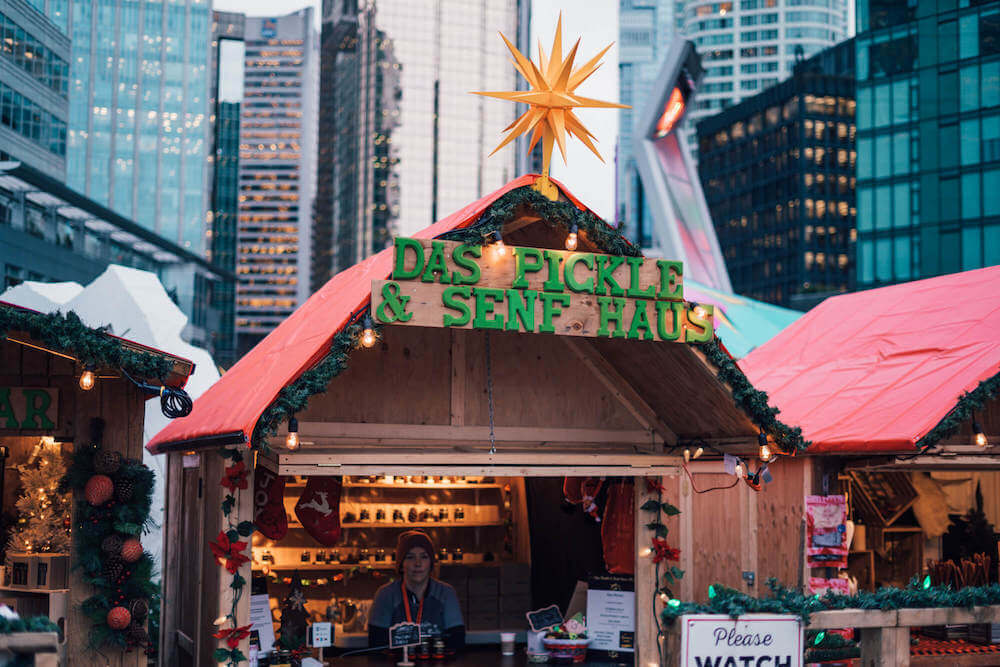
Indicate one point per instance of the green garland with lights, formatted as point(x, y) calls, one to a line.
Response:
point(822, 646)
point(962, 412)
point(781, 600)
point(67, 334)
point(294, 397)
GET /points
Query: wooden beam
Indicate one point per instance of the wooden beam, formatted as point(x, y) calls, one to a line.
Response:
point(621, 389)
point(958, 462)
point(459, 372)
point(448, 433)
point(646, 625)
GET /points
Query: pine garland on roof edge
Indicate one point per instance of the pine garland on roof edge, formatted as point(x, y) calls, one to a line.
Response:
point(294, 397)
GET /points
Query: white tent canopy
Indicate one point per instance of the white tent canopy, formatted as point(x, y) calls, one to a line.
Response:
point(133, 304)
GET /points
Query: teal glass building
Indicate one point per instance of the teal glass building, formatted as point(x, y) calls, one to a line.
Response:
point(137, 139)
point(928, 138)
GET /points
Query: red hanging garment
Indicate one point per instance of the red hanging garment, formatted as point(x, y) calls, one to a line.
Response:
point(269, 503)
point(319, 509)
point(618, 528)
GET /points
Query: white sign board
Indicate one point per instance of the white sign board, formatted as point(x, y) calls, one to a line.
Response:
point(260, 620)
point(322, 634)
point(754, 640)
point(611, 620)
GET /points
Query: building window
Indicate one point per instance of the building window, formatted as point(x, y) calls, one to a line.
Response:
point(989, 34)
point(971, 207)
point(748, 85)
point(968, 89)
point(968, 36)
point(894, 57)
point(902, 257)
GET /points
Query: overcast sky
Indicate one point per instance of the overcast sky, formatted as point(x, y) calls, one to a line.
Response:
point(596, 23)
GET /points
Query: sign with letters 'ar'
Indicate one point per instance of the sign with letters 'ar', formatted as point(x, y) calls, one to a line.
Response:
point(752, 640)
point(535, 290)
point(29, 408)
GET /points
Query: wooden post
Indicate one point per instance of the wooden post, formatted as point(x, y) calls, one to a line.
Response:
point(648, 642)
point(885, 647)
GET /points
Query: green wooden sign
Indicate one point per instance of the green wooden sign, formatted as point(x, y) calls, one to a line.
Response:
point(448, 284)
point(28, 408)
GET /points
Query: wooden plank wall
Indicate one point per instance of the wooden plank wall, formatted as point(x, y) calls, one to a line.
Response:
point(122, 408)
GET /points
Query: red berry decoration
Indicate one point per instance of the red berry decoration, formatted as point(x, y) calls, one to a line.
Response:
point(119, 618)
point(99, 490)
point(131, 550)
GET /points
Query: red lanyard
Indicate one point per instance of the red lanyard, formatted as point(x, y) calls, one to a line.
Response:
point(406, 605)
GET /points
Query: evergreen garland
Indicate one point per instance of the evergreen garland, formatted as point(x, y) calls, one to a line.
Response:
point(68, 335)
point(781, 600)
point(125, 519)
point(962, 412)
point(753, 401)
point(830, 646)
point(294, 397)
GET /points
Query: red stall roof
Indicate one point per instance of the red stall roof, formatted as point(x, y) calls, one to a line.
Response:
point(875, 371)
point(228, 411)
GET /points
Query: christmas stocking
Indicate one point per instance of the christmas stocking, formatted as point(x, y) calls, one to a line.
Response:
point(618, 529)
point(319, 509)
point(269, 503)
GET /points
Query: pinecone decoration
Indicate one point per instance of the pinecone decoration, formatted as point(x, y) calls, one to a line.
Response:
point(139, 609)
point(112, 545)
point(114, 569)
point(136, 634)
point(124, 489)
point(107, 462)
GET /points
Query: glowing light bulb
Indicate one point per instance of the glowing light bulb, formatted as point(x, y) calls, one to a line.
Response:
point(765, 453)
point(978, 437)
point(499, 249)
point(292, 439)
point(368, 336)
point(674, 602)
point(87, 380)
point(571, 239)
point(687, 455)
point(645, 552)
point(698, 452)
point(664, 598)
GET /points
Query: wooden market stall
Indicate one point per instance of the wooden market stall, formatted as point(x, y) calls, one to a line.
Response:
point(63, 390)
point(896, 389)
point(474, 415)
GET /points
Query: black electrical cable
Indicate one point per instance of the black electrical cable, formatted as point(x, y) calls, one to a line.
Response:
point(174, 402)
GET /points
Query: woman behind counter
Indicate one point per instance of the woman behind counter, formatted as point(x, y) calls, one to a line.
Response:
point(418, 598)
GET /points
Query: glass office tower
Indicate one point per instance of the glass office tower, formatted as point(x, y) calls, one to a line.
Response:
point(928, 118)
point(138, 110)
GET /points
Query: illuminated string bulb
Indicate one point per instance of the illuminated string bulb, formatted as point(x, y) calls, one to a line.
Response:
point(368, 336)
point(978, 437)
point(687, 456)
point(664, 598)
point(763, 449)
point(499, 249)
point(292, 439)
point(698, 452)
point(571, 239)
point(740, 470)
point(87, 378)
point(645, 552)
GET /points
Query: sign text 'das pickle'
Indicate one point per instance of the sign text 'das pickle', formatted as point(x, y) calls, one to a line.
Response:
point(536, 290)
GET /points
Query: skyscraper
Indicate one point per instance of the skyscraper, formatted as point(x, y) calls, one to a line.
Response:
point(644, 28)
point(749, 45)
point(228, 54)
point(277, 168)
point(34, 73)
point(778, 172)
point(357, 189)
point(446, 49)
point(928, 116)
point(138, 110)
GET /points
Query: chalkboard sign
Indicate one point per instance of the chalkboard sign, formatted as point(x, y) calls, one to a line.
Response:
point(545, 618)
point(404, 634)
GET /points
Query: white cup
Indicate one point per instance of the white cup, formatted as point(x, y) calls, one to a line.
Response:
point(507, 643)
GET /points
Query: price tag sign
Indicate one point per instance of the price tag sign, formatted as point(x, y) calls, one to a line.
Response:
point(322, 634)
point(545, 618)
point(404, 634)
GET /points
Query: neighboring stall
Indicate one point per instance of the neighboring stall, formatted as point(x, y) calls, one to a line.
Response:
point(68, 406)
point(438, 418)
point(896, 389)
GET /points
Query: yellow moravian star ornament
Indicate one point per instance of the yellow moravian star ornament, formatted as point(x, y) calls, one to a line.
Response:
point(551, 101)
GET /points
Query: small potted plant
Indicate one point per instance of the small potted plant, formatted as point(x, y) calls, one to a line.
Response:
point(568, 641)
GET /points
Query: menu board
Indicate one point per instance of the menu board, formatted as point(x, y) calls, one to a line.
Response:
point(404, 634)
point(260, 620)
point(611, 618)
